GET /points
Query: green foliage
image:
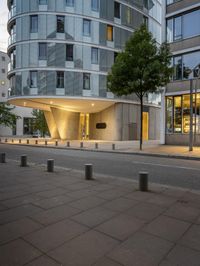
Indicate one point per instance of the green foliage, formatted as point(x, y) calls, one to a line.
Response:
point(40, 122)
point(141, 68)
point(7, 118)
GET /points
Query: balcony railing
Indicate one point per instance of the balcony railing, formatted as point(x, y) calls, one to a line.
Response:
point(12, 39)
point(12, 12)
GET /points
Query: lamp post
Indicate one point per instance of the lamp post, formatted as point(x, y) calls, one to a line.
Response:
point(197, 67)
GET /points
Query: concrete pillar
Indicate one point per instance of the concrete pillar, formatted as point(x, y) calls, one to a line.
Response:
point(51, 125)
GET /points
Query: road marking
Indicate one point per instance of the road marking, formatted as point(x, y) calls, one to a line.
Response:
point(167, 165)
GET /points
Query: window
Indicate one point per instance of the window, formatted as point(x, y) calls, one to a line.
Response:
point(86, 27)
point(110, 33)
point(3, 94)
point(177, 67)
point(42, 51)
point(169, 115)
point(115, 56)
point(117, 10)
point(60, 79)
point(28, 128)
point(95, 5)
point(69, 2)
point(177, 28)
point(33, 23)
point(3, 70)
point(69, 52)
point(86, 81)
point(13, 59)
point(42, 2)
point(3, 58)
point(60, 24)
point(33, 79)
point(177, 114)
point(94, 55)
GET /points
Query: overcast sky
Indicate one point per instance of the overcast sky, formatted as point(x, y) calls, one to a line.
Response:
point(3, 27)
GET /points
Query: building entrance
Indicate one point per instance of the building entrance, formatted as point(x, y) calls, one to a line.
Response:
point(84, 126)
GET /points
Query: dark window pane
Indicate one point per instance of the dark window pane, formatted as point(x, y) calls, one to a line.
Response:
point(117, 9)
point(60, 24)
point(60, 79)
point(177, 67)
point(42, 51)
point(33, 23)
point(86, 27)
point(86, 81)
point(69, 2)
point(94, 55)
point(33, 79)
point(69, 52)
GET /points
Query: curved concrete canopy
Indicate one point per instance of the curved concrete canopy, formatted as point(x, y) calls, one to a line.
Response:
point(72, 104)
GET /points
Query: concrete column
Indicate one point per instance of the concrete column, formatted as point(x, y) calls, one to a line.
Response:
point(51, 125)
point(67, 123)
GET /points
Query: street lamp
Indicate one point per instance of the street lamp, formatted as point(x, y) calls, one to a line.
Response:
point(197, 67)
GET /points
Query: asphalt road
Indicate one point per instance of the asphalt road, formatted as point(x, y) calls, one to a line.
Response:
point(173, 172)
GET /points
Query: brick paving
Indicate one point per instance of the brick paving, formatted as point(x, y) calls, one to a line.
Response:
point(54, 219)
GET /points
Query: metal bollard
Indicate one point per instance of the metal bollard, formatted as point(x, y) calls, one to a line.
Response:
point(88, 171)
point(50, 165)
point(45, 142)
point(36, 142)
point(23, 160)
point(143, 181)
point(113, 146)
point(6, 140)
point(12, 140)
point(0, 140)
point(96, 145)
point(68, 144)
point(2, 158)
point(27, 141)
point(20, 141)
point(56, 143)
point(81, 144)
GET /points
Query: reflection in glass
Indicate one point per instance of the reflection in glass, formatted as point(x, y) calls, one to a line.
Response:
point(60, 79)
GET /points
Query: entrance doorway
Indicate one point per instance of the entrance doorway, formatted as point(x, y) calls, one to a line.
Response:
point(145, 134)
point(84, 126)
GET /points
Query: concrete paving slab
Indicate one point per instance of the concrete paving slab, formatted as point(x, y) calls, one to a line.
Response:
point(120, 204)
point(87, 203)
point(43, 261)
point(106, 262)
point(191, 238)
point(53, 202)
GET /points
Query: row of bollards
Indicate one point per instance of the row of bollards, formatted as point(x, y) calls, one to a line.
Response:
point(143, 176)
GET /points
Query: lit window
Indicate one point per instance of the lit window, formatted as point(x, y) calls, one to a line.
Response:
point(33, 23)
point(86, 81)
point(60, 79)
point(86, 27)
point(33, 79)
point(109, 33)
point(42, 51)
point(60, 24)
point(95, 5)
point(69, 52)
point(94, 55)
point(117, 10)
point(69, 2)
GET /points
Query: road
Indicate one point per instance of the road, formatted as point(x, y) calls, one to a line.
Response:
point(173, 172)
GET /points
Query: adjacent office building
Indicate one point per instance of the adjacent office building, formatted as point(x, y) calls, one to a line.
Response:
point(23, 125)
point(183, 34)
point(61, 52)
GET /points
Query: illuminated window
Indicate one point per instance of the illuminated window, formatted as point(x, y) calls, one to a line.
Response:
point(177, 115)
point(110, 33)
point(169, 115)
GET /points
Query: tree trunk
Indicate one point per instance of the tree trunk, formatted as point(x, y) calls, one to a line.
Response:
point(141, 122)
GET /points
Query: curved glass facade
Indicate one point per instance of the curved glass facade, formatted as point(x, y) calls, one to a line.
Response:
point(66, 47)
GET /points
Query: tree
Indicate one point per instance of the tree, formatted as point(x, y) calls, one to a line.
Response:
point(141, 68)
point(7, 118)
point(40, 122)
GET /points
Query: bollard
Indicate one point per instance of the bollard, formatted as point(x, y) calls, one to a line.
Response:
point(12, 140)
point(68, 144)
point(96, 146)
point(20, 141)
point(56, 143)
point(50, 165)
point(143, 181)
point(23, 160)
point(113, 146)
point(36, 142)
point(88, 172)
point(2, 158)
point(27, 141)
point(45, 142)
point(6, 140)
point(0, 140)
point(81, 144)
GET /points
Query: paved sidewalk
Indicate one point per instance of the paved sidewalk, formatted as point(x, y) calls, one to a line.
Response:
point(52, 219)
point(150, 148)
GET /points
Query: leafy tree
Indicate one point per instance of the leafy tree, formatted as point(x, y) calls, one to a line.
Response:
point(7, 118)
point(40, 122)
point(141, 68)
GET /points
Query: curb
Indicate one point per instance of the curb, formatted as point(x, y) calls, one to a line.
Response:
point(159, 155)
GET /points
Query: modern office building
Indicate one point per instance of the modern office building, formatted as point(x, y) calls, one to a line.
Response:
point(23, 125)
point(61, 52)
point(183, 34)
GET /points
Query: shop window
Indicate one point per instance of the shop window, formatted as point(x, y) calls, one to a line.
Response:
point(177, 115)
point(69, 52)
point(86, 81)
point(110, 33)
point(60, 24)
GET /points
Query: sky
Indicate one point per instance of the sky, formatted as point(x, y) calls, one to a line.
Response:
point(3, 26)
